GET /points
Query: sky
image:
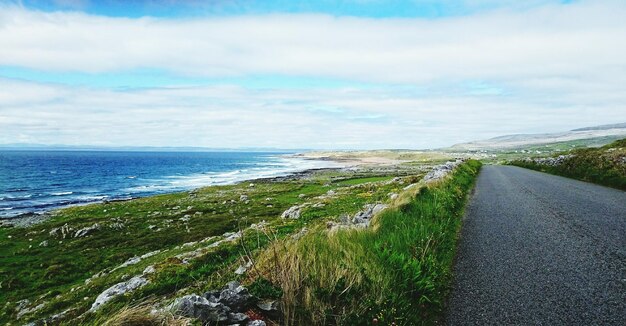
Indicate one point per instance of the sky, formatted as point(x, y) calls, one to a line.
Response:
point(359, 74)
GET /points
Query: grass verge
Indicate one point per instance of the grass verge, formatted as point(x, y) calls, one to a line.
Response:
point(397, 271)
point(604, 165)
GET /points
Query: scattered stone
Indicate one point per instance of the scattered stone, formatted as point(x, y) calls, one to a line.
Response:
point(361, 219)
point(95, 276)
point(235, 296)
point(149, 270)
point(256, 323)
point(300, 234)
point(118, 289)
point(130, 261)
point(150, 254)
point(440, 171)
point(393, 196)
point(293, 212)
point(318, 205)
point(409, 186)
point(117, 226)
point(243, 198)
point(152, 227)
point(301, 195)
point(24, 310)
point(232, 236)
point(87, 231)
point(56, 318)
point(225, 306)
point(241, 270)
point(364, 217)
point(258, 226)
point(550, 161)
point(195, 306)
point(251, 185)
point(270, 307)
point(237, 318)
point(63, 231)
point(43, 243)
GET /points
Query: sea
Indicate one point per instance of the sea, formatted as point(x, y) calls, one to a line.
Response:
point(38, 181)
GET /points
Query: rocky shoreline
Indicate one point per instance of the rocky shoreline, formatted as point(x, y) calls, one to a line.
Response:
point(32, 218)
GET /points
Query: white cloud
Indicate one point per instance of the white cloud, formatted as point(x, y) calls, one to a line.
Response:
point(576, 39)
point(227, 116)
point(549, 68)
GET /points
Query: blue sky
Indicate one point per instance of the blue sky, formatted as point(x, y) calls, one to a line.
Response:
point(306, 74)
point(361, 8)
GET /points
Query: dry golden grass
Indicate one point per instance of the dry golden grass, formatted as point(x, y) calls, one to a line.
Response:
point(142, 315)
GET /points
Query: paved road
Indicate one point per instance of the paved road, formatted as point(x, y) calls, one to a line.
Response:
point(537, 249)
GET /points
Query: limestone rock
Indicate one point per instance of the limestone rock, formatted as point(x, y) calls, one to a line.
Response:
point(293, 212)
point(195, 306)
point(118, 289)
point(63, 231)
point(235, 296)
point(87, 231)
point(256, 323)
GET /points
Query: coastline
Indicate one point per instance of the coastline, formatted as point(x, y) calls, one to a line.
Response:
point(32, 218)
point(331, 161)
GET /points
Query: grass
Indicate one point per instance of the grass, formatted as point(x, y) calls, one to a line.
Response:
point(605, 165)
point(398, 271)
point(54, 275)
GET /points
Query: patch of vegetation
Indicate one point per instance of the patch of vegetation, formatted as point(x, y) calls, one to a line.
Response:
point(605, 165)
point(397, 271)
point(55, 273)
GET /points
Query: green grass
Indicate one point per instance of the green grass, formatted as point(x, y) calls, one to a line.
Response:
point(55, 275)
point(398, 271)
point(356, 181)
point(605, 165)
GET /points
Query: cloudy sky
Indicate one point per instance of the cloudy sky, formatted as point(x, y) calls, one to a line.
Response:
point(295, 74)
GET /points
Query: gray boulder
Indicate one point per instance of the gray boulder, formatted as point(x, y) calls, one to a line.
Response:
point(87, 231)
point(118, 289)
point(256, 323)
point(235, 296)
point(195, 306)
point(365, 216)
point(237, 318)
point(270, 308)
point(293, 212)
point(63, 231)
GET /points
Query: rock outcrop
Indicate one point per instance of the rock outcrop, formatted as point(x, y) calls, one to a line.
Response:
point(293, 212)
point(550, 161)
point(226, 306)
point(87, 231)
point(440, 171)
point(119, 289)
point(361, 219)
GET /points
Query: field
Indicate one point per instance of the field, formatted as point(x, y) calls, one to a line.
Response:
point(193, 241)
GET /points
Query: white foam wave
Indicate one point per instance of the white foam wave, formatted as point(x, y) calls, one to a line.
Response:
point(63, 193)
point(280, 167)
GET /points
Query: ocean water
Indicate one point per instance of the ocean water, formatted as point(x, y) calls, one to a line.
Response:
point(37, 181)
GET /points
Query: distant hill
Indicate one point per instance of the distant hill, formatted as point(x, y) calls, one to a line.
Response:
point(589, 136)
point(603, 127)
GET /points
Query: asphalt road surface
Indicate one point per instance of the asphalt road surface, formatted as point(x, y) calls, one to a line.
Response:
point(538, 249)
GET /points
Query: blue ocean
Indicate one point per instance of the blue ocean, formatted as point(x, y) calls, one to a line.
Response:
point(37, 181)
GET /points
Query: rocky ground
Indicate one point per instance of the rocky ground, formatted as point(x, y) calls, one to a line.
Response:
point(184, 251)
